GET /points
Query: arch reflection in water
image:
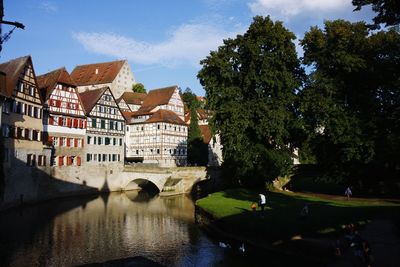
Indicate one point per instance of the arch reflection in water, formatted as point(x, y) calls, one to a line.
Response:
point(160, 229)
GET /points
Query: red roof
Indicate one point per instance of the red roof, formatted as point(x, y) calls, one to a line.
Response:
point(127, 115)
point(163, 115)
point(98, 73)
point(13, 70)
point(47, 82)
point(157, 97)
point(206, 133)
point(90, 98)
point(133, 98)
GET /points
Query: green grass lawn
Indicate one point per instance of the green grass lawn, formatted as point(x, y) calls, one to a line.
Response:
point(281, 220)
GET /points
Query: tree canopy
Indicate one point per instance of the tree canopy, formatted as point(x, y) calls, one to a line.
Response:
point(388, 11)
point(351, 102)
point(138, 88)
point(250, 85)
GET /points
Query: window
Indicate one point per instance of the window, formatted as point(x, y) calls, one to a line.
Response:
point(5, 159)
point(94, 123)
point(114, 157)
point(119, 157)
point(94, 140)
point(6, 107)
point(120, 141)
point(88, 157)
point(95, 157)
point(55, 141)
point(41, 160)
point(102, 124)
point(32, 91)
point(104, 157)
point(6, 130)
point(99, 140)
point(114, 141)
point(88, 139)
point(106, 141)
point(63, 141)
point(127, 128)
point(111, 125)
point(99, 157)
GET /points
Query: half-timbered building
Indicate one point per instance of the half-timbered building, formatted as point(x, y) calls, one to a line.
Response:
point(117, 75)
point(133, 100)
point(105, 131)
point(64, 120)
point(157, 132)
point(22, 119)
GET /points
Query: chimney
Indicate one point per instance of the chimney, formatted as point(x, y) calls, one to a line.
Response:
point(97, 71)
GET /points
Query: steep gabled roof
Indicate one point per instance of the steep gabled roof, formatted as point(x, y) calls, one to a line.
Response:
point(47, 82)
point(133, 98)
point(90, 98)
point(156, 98)
point(163, 115)
point(13, 69)
point(106, 73)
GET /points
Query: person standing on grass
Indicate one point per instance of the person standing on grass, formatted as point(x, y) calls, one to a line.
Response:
point(348, 193)
point(262, 201)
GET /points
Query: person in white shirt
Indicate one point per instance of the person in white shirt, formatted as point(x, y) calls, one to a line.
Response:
point(263, 201)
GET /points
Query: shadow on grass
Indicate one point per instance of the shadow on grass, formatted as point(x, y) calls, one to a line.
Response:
point(282, 220)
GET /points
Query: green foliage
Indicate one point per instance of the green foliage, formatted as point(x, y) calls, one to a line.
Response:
point(250, 84)
point(197, 149)
point(189, 98)
point(388, 11)
point(350, 103)
point(138, 88)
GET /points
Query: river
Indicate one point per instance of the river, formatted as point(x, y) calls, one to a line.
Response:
point(84, 230)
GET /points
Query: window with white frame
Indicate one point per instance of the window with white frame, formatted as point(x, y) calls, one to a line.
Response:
point(63, 141)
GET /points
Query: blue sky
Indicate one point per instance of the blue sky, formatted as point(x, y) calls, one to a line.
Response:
point(163, 40)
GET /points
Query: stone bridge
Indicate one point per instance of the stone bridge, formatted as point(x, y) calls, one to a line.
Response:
point(173, 180)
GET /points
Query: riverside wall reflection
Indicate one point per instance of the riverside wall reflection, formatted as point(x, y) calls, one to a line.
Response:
point(114, 226)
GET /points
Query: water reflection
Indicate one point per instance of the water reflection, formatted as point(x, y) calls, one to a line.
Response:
point(71, 232)
point(85, 230)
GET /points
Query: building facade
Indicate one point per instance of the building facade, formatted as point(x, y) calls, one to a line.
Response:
point(117, 75)
point(133, 100)
point(64, 121)
point(157, 132)
point(105, 131)
point(22, 115)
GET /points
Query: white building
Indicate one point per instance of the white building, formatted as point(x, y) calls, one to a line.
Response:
point(117, 75)
point(157, 133)
point(105, 130)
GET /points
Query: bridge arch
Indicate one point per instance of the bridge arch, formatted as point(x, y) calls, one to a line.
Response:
point(148, 184)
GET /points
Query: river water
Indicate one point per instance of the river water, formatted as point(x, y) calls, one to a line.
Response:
point(83, 230)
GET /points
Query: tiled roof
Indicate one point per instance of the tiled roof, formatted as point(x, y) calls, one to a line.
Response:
point(206, 133)
point(90, 98)
point(106, 73)
point(13, 69)
point(133, 98)
point(156, 98)
point(47, 82)
point(163, 115)
point(203, 114)
point(127, 115)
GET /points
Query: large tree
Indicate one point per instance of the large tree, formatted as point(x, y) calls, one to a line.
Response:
point(388, 11)
point(250, 85)
point(351, 101)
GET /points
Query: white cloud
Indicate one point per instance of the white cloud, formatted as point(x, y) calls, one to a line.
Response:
point(48, 6)
point(189, 43)
point(285, 9)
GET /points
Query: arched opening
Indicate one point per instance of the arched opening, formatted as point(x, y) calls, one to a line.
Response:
point(140, 190)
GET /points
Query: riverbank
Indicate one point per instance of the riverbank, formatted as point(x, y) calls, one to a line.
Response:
point(282, 228)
